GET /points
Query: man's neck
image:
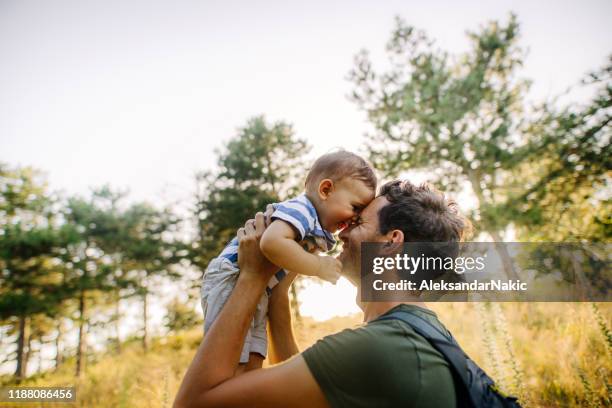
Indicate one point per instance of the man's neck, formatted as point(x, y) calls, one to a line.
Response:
point(372, 310)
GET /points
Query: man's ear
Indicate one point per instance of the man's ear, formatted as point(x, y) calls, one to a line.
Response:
point(393, 241)
point(326, 187)
point(396, 236)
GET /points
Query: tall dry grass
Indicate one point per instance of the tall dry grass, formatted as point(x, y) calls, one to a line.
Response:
point(551, 355)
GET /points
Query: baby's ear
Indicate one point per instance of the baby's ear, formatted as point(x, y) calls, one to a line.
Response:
point(326, 187)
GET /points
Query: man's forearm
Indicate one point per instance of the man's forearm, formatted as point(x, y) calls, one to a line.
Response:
point(219, 353)
point(282, 339)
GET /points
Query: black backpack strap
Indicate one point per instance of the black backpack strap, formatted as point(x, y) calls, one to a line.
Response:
point(445, 344)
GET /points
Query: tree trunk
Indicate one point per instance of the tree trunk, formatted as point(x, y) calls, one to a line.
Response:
point(40, 358)
point(502, 250)
point(58, 345)
point(145, 334)
point(581, 283)
point(28, 352)
point(117, 323)
point(295, 306)
point(80, 363)
point(21, 339)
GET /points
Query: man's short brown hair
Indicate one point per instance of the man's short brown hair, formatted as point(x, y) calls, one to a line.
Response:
point(422, 213)
point(339, 165)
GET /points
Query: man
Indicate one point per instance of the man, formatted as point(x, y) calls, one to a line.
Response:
point(381, 364)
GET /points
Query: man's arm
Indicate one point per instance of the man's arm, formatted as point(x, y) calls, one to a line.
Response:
point(209, 381)
point(282, 341)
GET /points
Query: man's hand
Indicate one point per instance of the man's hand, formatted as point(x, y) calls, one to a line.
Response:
point(250, 258)
point(329, 269)
point(268, 214)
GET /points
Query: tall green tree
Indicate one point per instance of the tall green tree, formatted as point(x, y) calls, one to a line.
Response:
point(30, 242)
point(89, 271)
point(562, 189)
point(112, 238)
point(461, 118)
point(151, 250)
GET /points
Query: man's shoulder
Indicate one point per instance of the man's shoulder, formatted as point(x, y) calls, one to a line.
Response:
point(376, 340)
point(382, 363)
point(391, 343)
point(379, 361)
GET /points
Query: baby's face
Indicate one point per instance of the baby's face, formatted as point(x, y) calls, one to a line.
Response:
point(344, 203)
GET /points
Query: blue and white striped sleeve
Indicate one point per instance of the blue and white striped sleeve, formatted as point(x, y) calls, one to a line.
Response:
point(298, 214)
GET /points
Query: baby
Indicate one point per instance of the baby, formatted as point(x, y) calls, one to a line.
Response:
point(338, 186)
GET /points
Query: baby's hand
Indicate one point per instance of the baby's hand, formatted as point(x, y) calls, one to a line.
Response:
point(329, 268)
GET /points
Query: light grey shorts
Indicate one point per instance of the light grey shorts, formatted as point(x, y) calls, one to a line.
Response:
point(219, 282)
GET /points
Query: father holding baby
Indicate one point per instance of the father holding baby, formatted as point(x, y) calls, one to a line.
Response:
point(383, 363)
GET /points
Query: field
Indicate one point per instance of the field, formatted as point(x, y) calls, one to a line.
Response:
point(552, 355)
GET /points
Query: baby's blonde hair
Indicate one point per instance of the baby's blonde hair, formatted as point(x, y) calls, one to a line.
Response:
point(339, 165)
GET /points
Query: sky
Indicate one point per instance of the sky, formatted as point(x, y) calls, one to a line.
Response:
point(139, 94)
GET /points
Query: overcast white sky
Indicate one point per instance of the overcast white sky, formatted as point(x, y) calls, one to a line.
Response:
point(139, 93)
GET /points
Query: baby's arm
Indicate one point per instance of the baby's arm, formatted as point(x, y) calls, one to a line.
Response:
point(279, 246)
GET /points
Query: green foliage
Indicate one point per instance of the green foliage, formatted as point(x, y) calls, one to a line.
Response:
point(30, 242)
point(21, 189)
point(61, 258)
point(460, 118)
point(561, 191)
point(180, 316)
point(86, 267)
point(464, 119)
point(150, 240)
point(264, 156)
point(31, 239)
point(456, 117)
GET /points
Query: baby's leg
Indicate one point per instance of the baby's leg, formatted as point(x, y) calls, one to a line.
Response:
point(219, 282)
point(258, 333)
point(256, 345)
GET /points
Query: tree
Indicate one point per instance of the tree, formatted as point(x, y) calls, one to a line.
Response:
point(30, 242)
point(180, 316)
point(112, 238)
point(88, 271)
point(564, 188)
point(462, 119)
point(151, 249)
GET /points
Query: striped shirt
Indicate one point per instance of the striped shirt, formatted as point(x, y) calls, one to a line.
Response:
point(302, 216)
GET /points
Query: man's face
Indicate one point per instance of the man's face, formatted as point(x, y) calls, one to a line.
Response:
point(365, 229)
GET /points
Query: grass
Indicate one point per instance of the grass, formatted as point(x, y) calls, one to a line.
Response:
point(551, 355)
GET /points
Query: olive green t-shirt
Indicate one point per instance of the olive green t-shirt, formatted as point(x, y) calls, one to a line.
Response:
point(382, 364)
